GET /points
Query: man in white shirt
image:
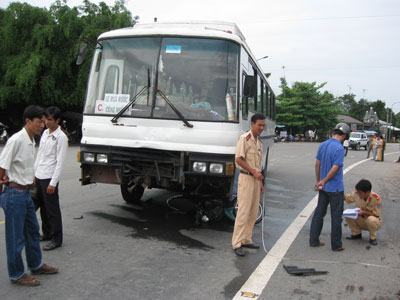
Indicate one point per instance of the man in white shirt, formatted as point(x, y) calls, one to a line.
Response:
point(48, 166)
point(16, 179)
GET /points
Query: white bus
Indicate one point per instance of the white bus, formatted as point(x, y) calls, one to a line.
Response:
point(165, 105)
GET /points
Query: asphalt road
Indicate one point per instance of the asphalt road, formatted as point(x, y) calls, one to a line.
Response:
point(115, 251)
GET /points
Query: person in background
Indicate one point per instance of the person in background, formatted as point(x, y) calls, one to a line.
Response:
point(380, 143)
point(383, 147)
point(370, 214)
point(377, 144)
point(16, 176)
point(329, 183)
point(346, 147)
point(48, 166)
point(372, 140)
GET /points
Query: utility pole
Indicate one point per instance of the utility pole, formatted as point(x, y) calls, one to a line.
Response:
point(387, 124)
point(283, 69)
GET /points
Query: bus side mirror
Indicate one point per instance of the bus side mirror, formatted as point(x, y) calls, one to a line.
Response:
point(81, 54)
point(249, 88)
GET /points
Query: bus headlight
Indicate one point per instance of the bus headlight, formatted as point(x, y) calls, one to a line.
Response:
point(102, 158)
point(216, 168)
point(200, 167)
point(88, 157)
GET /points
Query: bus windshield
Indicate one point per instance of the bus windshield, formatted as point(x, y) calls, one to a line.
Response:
point(197, 75)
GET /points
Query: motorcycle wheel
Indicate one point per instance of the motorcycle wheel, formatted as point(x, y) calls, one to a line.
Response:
point(260, 213)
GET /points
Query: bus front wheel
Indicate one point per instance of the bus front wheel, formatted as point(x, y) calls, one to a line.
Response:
point(132, 194)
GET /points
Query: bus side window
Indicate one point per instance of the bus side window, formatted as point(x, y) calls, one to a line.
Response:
point(259, 107)
point(253, 95)
point(265, 99)
point(273, 112)
point(249, 95)
point(270, 103)
point(245, 106)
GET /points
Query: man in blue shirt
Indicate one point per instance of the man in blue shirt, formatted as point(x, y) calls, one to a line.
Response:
point(329, 183)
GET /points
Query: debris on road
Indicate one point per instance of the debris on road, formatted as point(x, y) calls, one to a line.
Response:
point(249, 295)
point(296, 271)
point(78, 218)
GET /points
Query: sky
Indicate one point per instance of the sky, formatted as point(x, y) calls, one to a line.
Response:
point(352, 45)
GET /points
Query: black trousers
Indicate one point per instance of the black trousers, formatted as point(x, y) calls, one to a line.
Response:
point(50, 212)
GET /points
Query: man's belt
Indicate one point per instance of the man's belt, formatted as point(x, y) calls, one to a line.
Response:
point(246, 173)
point(19, 186)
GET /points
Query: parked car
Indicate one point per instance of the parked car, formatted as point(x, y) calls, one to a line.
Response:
point(358, 140)
point(370, 132)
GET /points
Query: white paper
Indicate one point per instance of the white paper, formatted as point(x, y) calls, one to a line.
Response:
point(351, 213)
point(112, 104)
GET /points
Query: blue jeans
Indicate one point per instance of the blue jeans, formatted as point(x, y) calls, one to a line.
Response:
point(336, 201)
point(22, 230)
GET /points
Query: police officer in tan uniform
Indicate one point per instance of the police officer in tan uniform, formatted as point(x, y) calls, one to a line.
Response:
point(370, 214)
point(248, 157)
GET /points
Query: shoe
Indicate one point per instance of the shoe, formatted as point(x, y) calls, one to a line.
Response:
point(354, 237)
point(239, 251)
point(251, 246)
point(320, 244)
point(338, 249)
point(45, 270)
point(44, 238)
point(373, 242)
point(51, 246)
point(27, 280)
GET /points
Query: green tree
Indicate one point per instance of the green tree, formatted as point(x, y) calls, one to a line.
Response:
point(380, 108)
point(39, 48)
point(303, 106)
point(359, 110)
point(347, 104)
point(396, 120)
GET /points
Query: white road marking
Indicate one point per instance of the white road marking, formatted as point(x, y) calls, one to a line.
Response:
point(264, 271)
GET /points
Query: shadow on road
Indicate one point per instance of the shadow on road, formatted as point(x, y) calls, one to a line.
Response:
point(155, 221)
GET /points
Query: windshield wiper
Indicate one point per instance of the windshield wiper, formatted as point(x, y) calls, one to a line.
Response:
point(178, 113)
point(133, 100)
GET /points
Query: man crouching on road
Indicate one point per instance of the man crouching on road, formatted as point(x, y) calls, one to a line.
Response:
point(329, 183)
point(248, 157)
point(370, 212)
point(22, 228)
